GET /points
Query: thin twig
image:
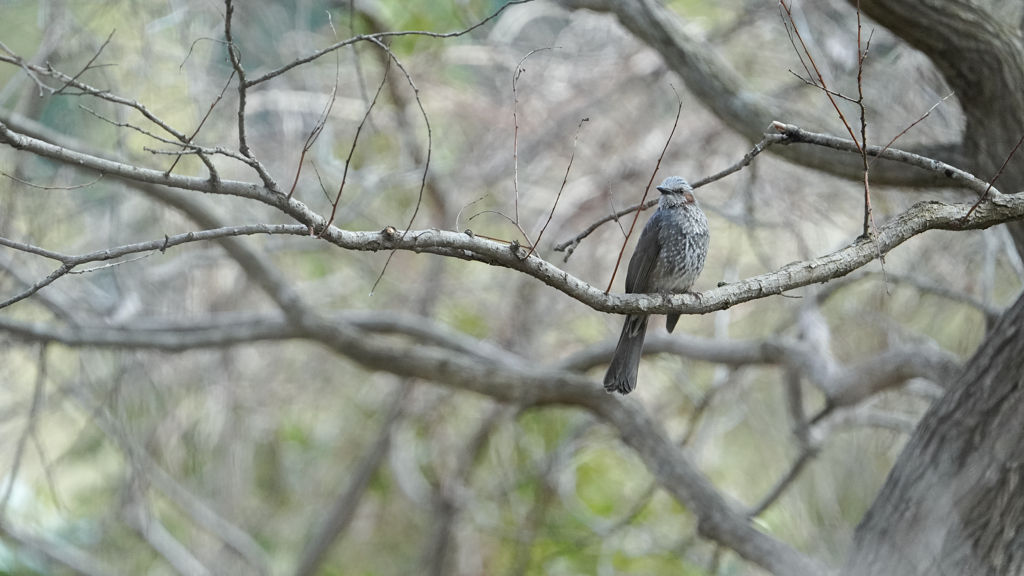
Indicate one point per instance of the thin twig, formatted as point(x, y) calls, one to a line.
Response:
point(87, 64)
point(636, 216)
point(138, 129)
point(430, 150)
point(235, 56)
point(16, 59)
point(869, 215)
point(51, 187)
point(352, 150)
point(499, 213)
point(861, 55)
point(60, 271)
point(321, 121)
point(570, 245)
point(193, 46)
point(806, 51)
point(912, 124)
point(111, 265)
point(994, 178)
point(69, 262)
point(515, 134)
point(810, 82)
point(461, 210)
point(102, 94)
point(213, 171)
point(560, 188)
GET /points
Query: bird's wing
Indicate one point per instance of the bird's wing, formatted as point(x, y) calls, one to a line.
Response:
point(645, 256)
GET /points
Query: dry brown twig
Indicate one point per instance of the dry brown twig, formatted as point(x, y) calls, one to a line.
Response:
point(20, 181)
point(675, 124)
point(352, 150)
point(792, 30)
point(235, 57)
point(426, 163)
point(87, 64)
point(560, 188)
point(515, 140)
point(570, 245)
point(321, 121)
point(209, 165)
point(988, 188)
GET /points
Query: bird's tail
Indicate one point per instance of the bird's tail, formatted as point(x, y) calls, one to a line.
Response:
point(621, 376)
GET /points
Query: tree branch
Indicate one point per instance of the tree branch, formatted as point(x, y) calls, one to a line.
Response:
point(919, 218)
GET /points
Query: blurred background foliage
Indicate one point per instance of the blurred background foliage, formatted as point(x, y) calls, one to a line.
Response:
point(268, 433)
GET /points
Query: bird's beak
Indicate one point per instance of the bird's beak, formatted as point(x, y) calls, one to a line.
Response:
point(662, 190)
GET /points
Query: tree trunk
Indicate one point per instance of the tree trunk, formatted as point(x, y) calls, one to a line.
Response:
point(954, 501)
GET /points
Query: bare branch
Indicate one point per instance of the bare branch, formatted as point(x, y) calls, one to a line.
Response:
point(256, 264)
point(515, 138)
point(87, 64)
point(795, 135)
point(102, 94)
point(16, 59)
point(919, 218)
point(352, 150)
point(20, 181)
point(560, 188)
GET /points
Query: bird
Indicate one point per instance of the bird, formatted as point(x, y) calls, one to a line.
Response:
point(668, 258)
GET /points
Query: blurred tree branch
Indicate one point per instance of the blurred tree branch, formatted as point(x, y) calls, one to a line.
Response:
point(432, 352)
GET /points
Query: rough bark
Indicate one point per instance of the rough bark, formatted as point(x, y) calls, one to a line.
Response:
point(954, 501)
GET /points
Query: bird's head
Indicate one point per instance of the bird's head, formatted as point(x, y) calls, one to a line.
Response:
point(676, 190)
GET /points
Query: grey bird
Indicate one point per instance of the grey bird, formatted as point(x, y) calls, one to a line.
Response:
point(668, 259)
